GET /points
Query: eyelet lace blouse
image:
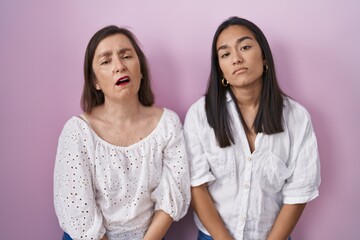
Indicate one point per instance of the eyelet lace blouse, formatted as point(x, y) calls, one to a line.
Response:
point(100, 187)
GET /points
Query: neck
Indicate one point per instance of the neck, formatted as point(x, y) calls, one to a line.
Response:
point(119, 112)
point(248, 97)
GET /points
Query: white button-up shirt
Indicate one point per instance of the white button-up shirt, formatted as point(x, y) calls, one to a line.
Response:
point(249, 189)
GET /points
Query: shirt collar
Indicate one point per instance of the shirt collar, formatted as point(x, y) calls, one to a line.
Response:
point(228, 96)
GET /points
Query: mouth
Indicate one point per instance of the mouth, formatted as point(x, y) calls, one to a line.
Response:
point(122, 81)
point(239, 71)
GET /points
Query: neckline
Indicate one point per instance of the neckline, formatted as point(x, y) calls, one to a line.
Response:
point(145, 139)
point(241, 131)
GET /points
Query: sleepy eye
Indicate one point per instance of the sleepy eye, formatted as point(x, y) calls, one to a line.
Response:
point(127, 57)
point(244, 48)
point(224, 55)
point(105, 62)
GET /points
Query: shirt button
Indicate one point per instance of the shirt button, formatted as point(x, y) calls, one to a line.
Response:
point(247, 186)
point(249, 159)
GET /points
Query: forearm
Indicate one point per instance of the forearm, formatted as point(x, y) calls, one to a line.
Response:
point(159, 226)
point(286, 221)
point(205, 209)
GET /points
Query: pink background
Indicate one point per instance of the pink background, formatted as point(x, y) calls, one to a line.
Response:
point(42, 43)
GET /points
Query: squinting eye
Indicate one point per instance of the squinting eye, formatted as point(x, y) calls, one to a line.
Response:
point(105, 62)
point(127, 57)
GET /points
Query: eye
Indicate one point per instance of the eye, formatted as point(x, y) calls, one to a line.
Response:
point(244, 48)
point(127, 57)
point(105, 62)
point(224, 55)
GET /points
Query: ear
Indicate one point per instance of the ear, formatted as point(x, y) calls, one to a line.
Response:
point(96, 85)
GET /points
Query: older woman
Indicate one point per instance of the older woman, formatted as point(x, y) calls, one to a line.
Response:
point(121, 168)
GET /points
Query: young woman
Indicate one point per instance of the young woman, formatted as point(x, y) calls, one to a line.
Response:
point(252, 150)
point(121, 168)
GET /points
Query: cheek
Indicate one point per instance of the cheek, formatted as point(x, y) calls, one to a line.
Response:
point(138, 68)
point(224, 69)
point(137, 73)
point(258, 62)
point(261, 67)
point(97, 71)
point(102, 73)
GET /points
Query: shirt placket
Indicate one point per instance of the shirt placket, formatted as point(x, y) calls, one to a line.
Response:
point(245, 195)
point(246, 181)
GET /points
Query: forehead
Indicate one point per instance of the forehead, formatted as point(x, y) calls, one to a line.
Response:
point(232, 33)
point(114, 42)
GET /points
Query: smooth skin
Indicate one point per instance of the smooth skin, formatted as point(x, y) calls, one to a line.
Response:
point(242, 64)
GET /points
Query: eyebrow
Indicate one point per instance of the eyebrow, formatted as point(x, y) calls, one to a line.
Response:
point(109, 53)
point(237, 42)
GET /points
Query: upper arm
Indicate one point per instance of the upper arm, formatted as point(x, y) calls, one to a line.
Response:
point(74, 197)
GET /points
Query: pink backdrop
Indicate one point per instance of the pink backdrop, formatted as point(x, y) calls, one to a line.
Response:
point(315, 44)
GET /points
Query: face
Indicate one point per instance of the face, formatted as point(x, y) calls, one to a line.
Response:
point(240, 57)
point(117, 68)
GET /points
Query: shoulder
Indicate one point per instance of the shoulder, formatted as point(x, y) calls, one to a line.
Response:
point(196, 111)
point(75, 126)
point(171, 118)
point(75, 122)
point(295, 111)
point(198, 106)
point(169, 125)
point(152, 115)
point(296, 116)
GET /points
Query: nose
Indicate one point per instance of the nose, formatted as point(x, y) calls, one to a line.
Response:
point(237, 58)
point(118, 65)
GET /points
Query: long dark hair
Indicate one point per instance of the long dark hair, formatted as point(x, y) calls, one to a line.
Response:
point(269, 115)
point(91, 97)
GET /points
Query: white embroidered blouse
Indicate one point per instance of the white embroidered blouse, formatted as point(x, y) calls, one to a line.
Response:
point(100, 187)
point(249, 189)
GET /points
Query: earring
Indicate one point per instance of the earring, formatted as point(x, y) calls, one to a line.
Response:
point(266, 68)
point(224, 82)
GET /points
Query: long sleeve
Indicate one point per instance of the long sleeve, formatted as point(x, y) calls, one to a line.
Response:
point(173, 195)
point(303, 185)
point(74, 193)
point(199, 166)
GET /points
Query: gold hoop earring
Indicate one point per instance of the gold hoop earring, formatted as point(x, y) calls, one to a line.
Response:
point(224, 82)
point(266, 68)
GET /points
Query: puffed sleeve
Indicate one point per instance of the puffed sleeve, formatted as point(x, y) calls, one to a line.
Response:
point(195, 120)
point(173, 195)
point(74, 194)
point(303, 185)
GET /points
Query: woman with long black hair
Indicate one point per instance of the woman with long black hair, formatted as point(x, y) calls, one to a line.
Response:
point(252, 150)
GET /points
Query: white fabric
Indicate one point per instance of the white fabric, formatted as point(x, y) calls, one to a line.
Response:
point(101, 187)
point(249, 189)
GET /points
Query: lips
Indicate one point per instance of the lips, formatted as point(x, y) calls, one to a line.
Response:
point(122, 81)
point(239, 71)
